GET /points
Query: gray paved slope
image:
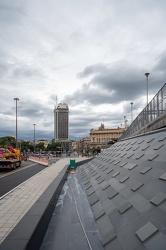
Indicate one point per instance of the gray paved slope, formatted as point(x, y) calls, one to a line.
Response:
point(71, 217)
point(126, 188)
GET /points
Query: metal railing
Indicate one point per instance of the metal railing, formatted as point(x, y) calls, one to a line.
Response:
point(155, 108)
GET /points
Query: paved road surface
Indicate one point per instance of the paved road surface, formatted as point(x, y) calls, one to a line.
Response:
point(16, 177)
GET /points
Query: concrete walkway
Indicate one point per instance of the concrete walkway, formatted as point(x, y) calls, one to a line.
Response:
point(15, 204)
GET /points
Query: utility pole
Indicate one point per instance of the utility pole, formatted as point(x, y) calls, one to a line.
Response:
point(147, 74)
point(16, 99)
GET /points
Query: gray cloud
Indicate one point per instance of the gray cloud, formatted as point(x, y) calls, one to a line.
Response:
point(95, 61)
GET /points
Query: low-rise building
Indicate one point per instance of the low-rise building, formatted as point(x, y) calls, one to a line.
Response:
point(102, 137)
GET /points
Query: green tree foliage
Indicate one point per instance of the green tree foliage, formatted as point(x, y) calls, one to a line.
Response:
point(40, 146)
point(7, 141)
point(54, 146)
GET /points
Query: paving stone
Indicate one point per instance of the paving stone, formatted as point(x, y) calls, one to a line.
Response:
point(90, 191)
point(157, 147)
point(162, 139)
point(136, 186)
point(144, 148)
point(116, 162)
point(95, 173)
point(88, 186)
point(123, 155)
point(128, 148)
point(141, 141)
point(93, 199)
point(150, 140)
point(100, 180)
point(86, 182)
point(130, 155)
point(109, 171)
point(145, 170)
point(139, 156)
point(158, 199)
point(110, 236)
point(111, 192)
point(112, 161)
point(146, 231)
point(99, 214)
point(125, 178)
point(131, 166)
point(124, 207)
point(106, 186)
point(123, 164)
point(97, 177)
point(152, 157)
point(134, 149)
point(114, 175)
point(163, 177)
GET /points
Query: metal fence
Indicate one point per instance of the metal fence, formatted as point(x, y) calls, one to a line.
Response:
point(151, 112)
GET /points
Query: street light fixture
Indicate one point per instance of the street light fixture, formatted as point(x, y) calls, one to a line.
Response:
point(16, 99)
point(131, 112)
point(34, 136)
point(147, 74)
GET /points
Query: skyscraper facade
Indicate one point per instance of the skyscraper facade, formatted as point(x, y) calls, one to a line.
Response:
point(61, 122)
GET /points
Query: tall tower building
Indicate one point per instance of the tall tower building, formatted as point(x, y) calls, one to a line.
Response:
point(61, 122)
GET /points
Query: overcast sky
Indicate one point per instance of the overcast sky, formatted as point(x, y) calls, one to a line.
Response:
point(90, 54)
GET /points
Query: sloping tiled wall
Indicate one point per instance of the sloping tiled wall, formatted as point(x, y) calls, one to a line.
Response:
point(126, 188)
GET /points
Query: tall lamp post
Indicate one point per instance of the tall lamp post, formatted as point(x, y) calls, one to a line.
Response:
point(131, 112)
point(34, 136)
point(147, 74)
point(16, 99)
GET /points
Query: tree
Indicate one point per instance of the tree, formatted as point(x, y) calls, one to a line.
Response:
point(40, 146)
point(54, 146)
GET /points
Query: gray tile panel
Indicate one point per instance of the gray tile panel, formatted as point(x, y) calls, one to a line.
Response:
point(123, 164)
point(93, 199)
point(109, 171)
point(130, 155)
point(106, 230)
point(146, 231)
point(153, 156)
point(158, 199)
point(105, 186)
point(145, 147)
point(115, 174)
point(90, 191)
point(111, 192)
point(158, 146)
point(100, 180)
point(124, 207)
point(107, 238)
point(130, 166)
point(99, 214)
point(136, 186)
point(145, 170)
point(125, 178)
point(163, 177)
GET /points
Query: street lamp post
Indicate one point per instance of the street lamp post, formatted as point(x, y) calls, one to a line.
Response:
point(34, 136)
point(147, 74)
point(131, 112)
point(16, 99)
